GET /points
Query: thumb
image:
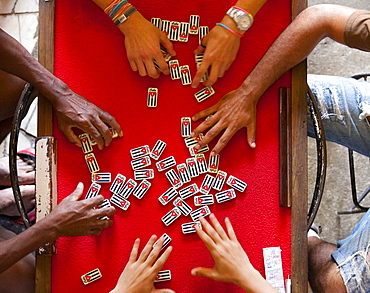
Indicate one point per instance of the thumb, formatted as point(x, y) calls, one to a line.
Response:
point(204, 272)
point(162, 291)
point(76, 194)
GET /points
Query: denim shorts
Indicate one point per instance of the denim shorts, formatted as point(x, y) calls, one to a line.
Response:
point(352, 257)
point(341, 102)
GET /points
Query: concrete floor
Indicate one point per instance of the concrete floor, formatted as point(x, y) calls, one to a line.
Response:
point(335, 59)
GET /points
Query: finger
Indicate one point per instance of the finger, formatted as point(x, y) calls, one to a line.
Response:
point(212, 77)
point(199, 50)
point(155, 251)
point(76, 194)
point(230, 229)
point(95, 231)
point(141, 68)
point(103, 212)
point(100, 224)
point(162, 291)
point(27, 177)
point(210, 231)
point(162, 260)
point(167, 44)
point(211, 134)
point(148, 247)
point(134, 251)
point(208, 242)
point(216, 224)
point(251, 134)
point(70, 135)
point(104, 131)
point(93, 201)
point(204, 272)
point(204, 113)
point(111, 121)
point(27, 190)
point(133, 65)
point(224, 139)
point(163, 66)
point(152, 71)
point(201, 71)
point(95, 133)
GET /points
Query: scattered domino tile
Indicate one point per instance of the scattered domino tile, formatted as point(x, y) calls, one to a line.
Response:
point(120, 202)
point(157, 22)
point(225, 195)
point(213, 164)
point(113, 132)
point(157, 149)
point(184, 32)
point(184, 208)
point(91, 276)
point(167, 196)
point(201, 212)
point(184, 173)
point(165, 27)
point(185, 75)
point(192, 141)
point(141, 189)
point(219, 180)
point(165, 54)
point(141, 163)
point(174, 32)
point(203, 30)
point(167, 240)
point(117, 184)
point(140, 152)
point(190, 227)
point(194, 24)
point(166, 163)
point(104, 204)
point(92, 163)
point(185, 126)
point(127, 189)
point(171, 216)
point(143, 174)
point(206, 184)
point(92, 140)
point(173, 178)
point(163, 276)
point(201, 163)
point(236, 183)
point(194, 151)
point(174, 69)
point(101, 177)
point(204, 93)
point(189, 191)
point(191, 163)
point(152, 99)
point(93, 190)
point(205, 76)
point(85, 143)
point(202, 200)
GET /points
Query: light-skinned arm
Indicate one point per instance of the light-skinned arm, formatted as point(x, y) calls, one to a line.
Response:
point(72, 217)
point(143, 41)
point(232, 264)
point(72, 110)
point(221, 46)
point(237, 109)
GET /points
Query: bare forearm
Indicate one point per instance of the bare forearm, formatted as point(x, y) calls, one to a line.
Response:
point(252, 6)
point(295, 44)
point(14, 249)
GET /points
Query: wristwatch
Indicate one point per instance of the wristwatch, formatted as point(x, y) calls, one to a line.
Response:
point(125, 16)
point(243, 19)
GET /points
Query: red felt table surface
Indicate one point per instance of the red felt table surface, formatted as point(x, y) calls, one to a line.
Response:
point(90, 57)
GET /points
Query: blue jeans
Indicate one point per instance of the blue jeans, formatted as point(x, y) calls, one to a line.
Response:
point(341, 101)
point(352, 257)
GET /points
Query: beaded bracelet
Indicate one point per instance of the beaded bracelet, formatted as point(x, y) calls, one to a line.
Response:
point(229, 29)
point(119, 11)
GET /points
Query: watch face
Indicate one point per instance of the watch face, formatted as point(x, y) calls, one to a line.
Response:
point(243, 21)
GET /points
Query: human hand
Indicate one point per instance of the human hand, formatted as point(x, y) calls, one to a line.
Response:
point(231, 262)
point(143, 41)
point(139, 273)
point(73, 110)
point(8, 206)
point(74, 217)
point(25, 168)
point(234, 111)
point(221, 49)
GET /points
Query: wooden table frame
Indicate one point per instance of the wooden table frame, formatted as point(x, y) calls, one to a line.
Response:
point(293, 155)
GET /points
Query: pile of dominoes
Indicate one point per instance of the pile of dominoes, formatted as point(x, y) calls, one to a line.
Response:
point(179, 31)
point(179, 175)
